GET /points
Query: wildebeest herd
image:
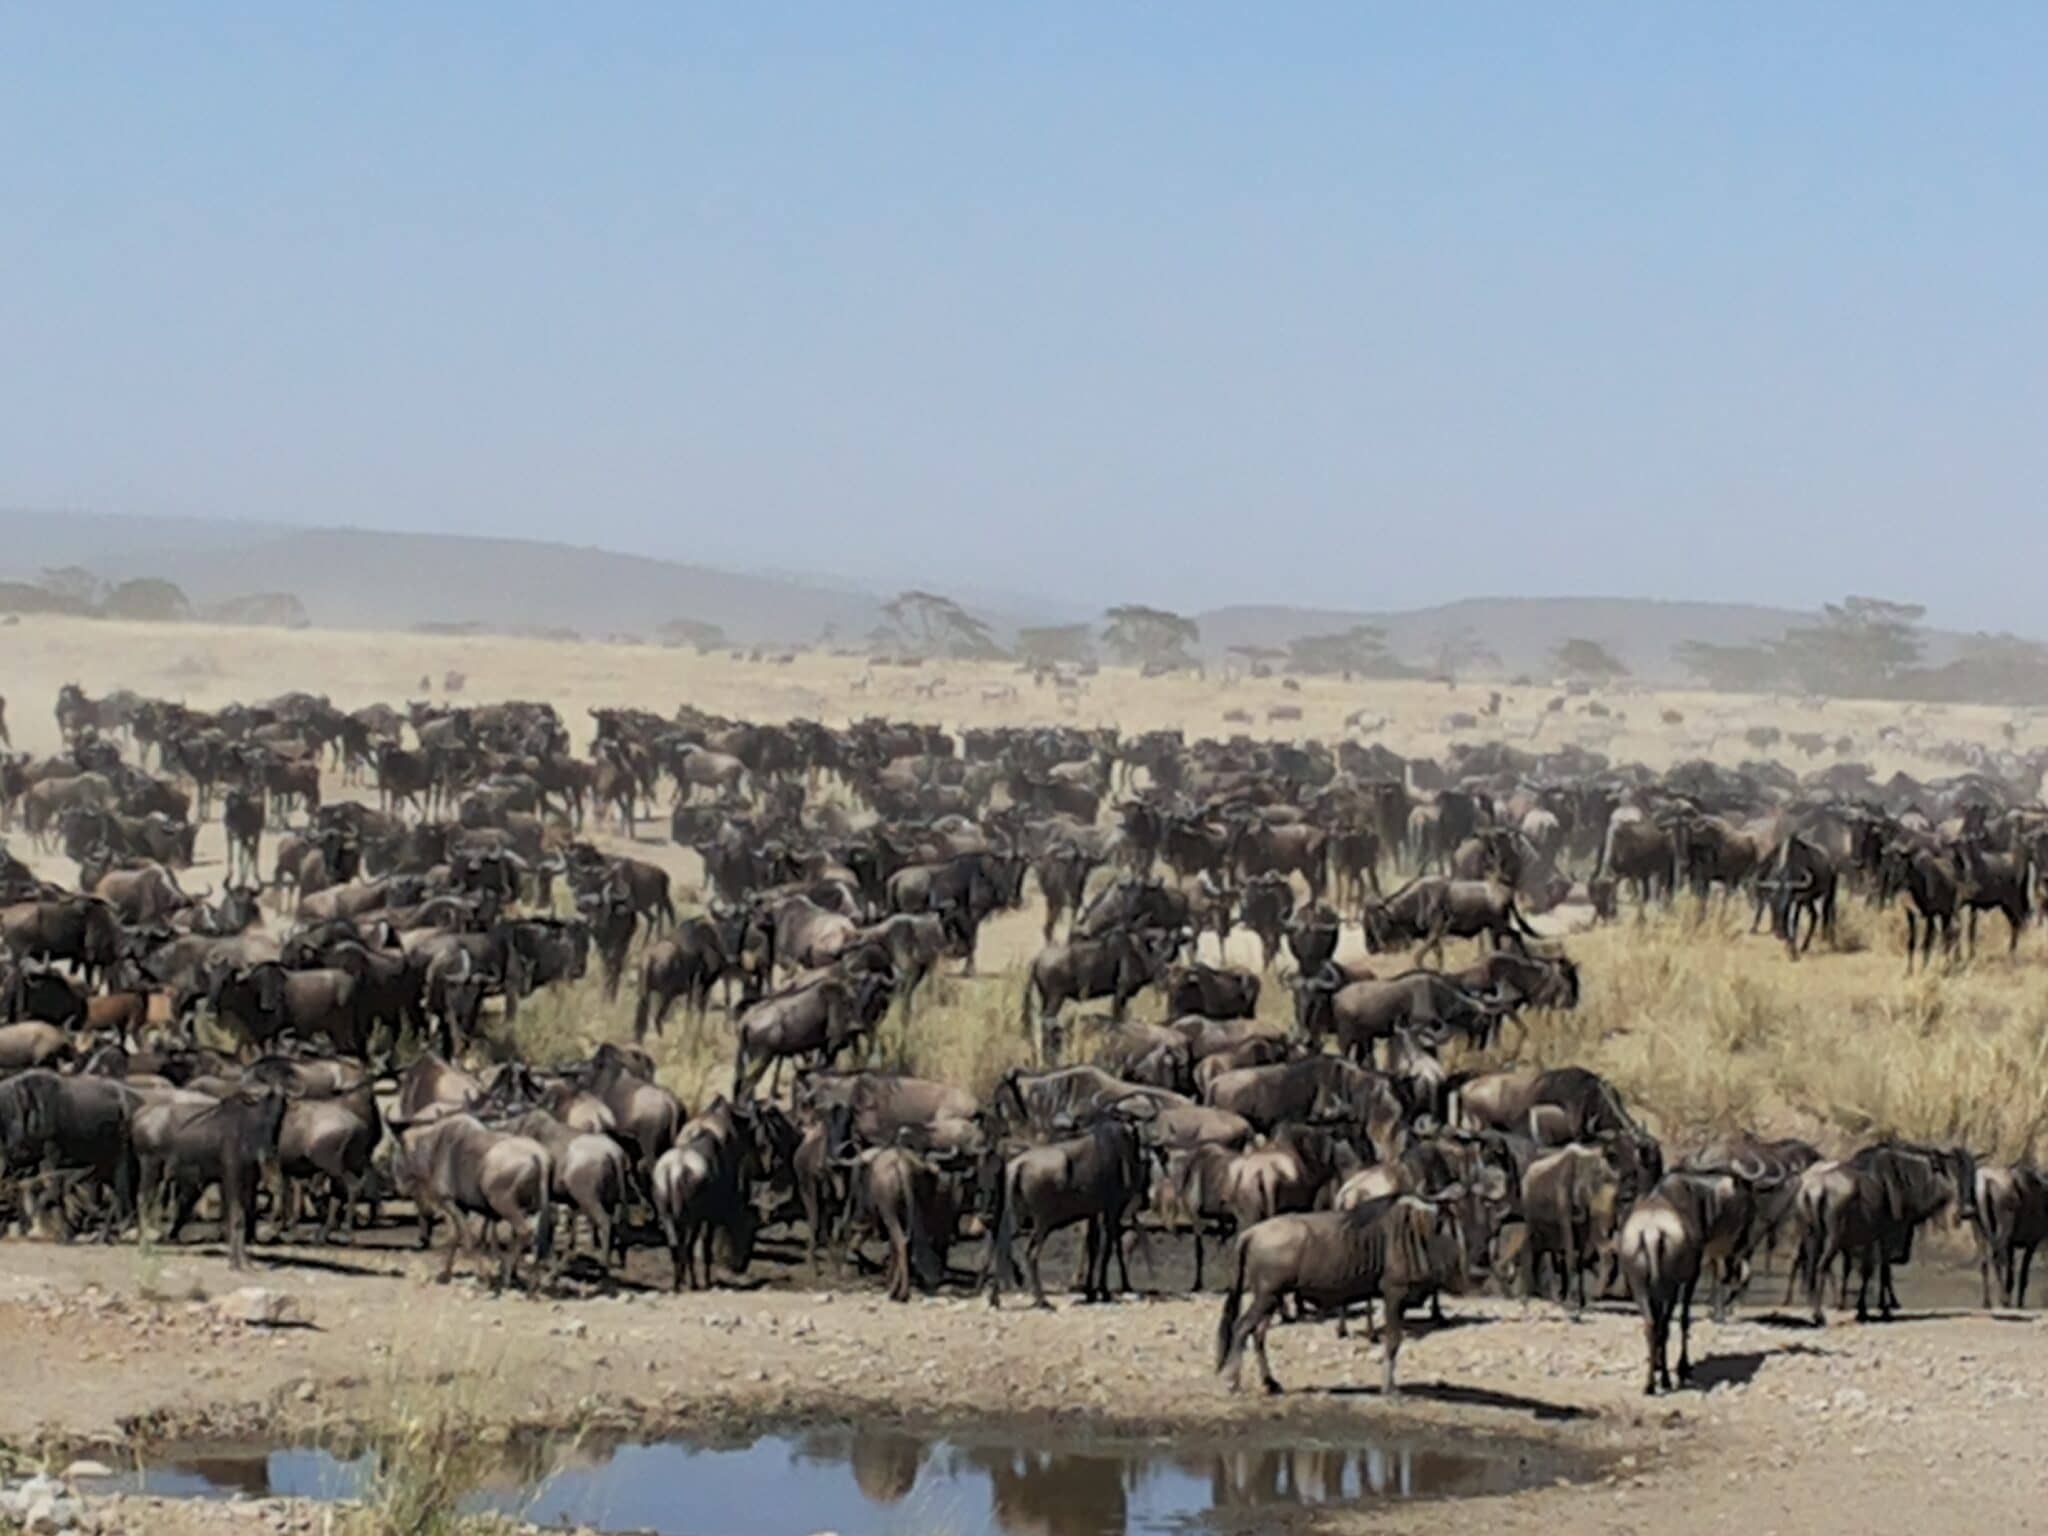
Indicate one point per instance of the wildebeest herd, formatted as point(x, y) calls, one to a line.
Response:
point(333, 1031)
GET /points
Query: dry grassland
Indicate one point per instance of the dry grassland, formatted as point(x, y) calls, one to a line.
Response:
point(1702, 1025)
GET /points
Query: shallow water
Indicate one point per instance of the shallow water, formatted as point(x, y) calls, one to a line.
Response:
point(881, 1482)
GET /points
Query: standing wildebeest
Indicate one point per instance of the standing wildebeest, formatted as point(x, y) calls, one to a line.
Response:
point(1314, 1088)
point(1689, 1222)
point(592, 1178)
point(185, 1144)
point(48, 1121)
point(819, 1019)
point(1929, 885)
point(1062, 872)
point(1117, 966)
point(1802, 878)
point(701, 1187)
point(1266, 907)
point(1430, 909)
point(81, 930)
point(243, 816)
point(1097, 1177)
point(1399, 1250)
point(1866, 1210)
point(687, 965)
point(1996, 882)
point(1361, 1013)
point(457, 1166)
point(2009, 1210)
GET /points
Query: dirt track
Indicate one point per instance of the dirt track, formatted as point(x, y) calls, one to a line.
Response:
point(1930, 1424)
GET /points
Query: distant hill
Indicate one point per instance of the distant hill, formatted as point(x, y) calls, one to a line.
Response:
point(361, 579)
point(1521, 631)
point(353, 578)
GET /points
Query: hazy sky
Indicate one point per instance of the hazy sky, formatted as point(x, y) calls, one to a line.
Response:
point(1349, 304)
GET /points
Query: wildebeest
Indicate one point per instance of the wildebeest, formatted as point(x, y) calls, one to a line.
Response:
point(1117, 966)
point(1428, 910)
point(2009, 1211)
point(456, 1166)
point(1398, 1250)
point(1096, 1177)
point(1691, 1222)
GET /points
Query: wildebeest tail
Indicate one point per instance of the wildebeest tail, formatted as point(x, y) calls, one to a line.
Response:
point(544, 1232)
point(1002, 1266)
point(925, 1267)
point(1233, 1305)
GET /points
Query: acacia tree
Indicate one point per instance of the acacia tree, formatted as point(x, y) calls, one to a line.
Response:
point(931, 625)
point(1861, 647)
point(1055, 645)
point(699, 634)
point(1588, 659)
point(147, 598)
point(1460, 650)
point(1729, 668)
point(1361, 649)
point(1259, 659)
point(1150, 637)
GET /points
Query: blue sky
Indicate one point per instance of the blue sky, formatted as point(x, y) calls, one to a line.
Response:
point(1335, 304)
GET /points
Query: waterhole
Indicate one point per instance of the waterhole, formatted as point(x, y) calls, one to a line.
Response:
point(885, 1482)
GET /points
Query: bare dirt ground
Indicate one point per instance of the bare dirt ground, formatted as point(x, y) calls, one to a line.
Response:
point(1928, 1424)
point(1931, 1424)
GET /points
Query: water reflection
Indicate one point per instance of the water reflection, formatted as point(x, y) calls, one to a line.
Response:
point(873, 1482)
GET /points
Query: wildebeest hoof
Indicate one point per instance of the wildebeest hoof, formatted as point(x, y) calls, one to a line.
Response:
point(1272, 1387)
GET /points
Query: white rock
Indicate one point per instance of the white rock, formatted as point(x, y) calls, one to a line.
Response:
point(257, 1306)
point(79, 1469)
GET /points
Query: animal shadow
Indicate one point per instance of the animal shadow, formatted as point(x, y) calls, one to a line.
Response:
point(1478, 1397)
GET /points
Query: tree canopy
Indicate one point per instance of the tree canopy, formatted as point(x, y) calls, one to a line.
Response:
point(698, 634)
point(1057, 645)
point(1151, 637)
point(1360, 650)
point(147, 598)
point(927, 624)
point(1588, 659)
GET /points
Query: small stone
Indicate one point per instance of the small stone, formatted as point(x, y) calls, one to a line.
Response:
point(79, 1469)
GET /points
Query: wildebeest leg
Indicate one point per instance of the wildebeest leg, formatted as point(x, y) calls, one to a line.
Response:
point(1912, 938)
point(1685, 1329)
point(1812, 1261)
point(2026, 1260)
point(1257, 1324)
point(1654, 1338)
point(1395, 1307)
point(458, 1238)
point(1031, 1250)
